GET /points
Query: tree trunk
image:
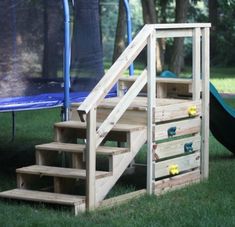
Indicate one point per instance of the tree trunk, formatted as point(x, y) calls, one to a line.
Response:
point(177, 59)
point(213, 19)
point(150, 17)
point(119, 44)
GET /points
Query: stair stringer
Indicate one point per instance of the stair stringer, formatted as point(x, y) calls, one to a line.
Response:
point(120, 162)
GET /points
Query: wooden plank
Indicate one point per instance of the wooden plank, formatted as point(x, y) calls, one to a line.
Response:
point(176, 111)
point(107, 203)
point(131, 116)
point(176, 182)
point(184, 163)
point(59, 172)
point(168, 33)
point(160, 80)
point(161, 90)
point(184, 127)
point(120, 108)
point(83, 125)
point(176, 147)
point(181, 25)
point(205, 102)
point(90, 157)
point(80, 148)
point(45, 197)
point(116, 70)
point(196, 63)
point(151, 65)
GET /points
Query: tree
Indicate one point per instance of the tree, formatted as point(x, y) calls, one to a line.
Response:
point(177, 59)
point(119, 44)
point(213, 18)
point(150, 17)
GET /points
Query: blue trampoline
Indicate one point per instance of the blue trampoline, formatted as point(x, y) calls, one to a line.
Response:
point(19, 90)
point(20, 93)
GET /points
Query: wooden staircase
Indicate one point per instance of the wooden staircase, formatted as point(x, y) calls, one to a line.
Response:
point(61, 181)
point(175, 129)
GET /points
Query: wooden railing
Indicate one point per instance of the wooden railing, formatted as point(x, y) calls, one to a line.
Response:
point(147, 36)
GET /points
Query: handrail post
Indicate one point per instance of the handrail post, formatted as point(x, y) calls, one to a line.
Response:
point(196, 63)
point(151, 67)
point(91, 159)
point(205, 102)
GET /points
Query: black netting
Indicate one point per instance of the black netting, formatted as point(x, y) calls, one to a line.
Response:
point(31, 46)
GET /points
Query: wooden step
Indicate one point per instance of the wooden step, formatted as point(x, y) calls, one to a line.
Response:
point(59, 172)
point(82, 125)
point(79, 148)
point(46, 197)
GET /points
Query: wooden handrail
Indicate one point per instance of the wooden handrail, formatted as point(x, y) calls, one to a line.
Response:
point(121, 107)
point(116, 71)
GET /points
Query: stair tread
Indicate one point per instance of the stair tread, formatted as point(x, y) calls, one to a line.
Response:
point(82, 125)
point(39, 196)
point(80, 148)
point(59, 172)
point(139, 103)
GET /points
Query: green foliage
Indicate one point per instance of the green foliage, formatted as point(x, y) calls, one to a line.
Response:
point(109, 13)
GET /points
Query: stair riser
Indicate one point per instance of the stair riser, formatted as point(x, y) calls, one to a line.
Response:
point(70, 135)
point(51, 184)
point(54, 158)
point(129, 117)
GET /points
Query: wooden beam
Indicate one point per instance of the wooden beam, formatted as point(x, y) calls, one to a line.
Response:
point(121, 107)
point(176, 182)
point(168, 33)
point(205, 102)
point(184, 163)
point(91, 160)
point(151, 67)
point(181, 25)
point(196, 63)
point(121, 199)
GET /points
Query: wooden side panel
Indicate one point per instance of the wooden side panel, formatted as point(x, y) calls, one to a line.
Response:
point(177, 147)
point(184, 163)
point(176, 182)
point(176, 111)
point(184, 127)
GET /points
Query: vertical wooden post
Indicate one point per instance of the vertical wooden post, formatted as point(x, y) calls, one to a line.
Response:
point(91, 159)
point(151, 67)
point(205, 102)
point(196, 63)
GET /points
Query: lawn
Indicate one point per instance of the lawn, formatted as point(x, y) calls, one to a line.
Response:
point(210, 203)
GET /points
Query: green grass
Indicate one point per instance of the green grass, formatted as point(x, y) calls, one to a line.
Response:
point(210, 203)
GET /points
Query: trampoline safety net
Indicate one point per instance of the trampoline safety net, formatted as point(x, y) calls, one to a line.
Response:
point(31, 47)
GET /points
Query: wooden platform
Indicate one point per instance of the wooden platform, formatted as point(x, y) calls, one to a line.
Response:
point(167, 109)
